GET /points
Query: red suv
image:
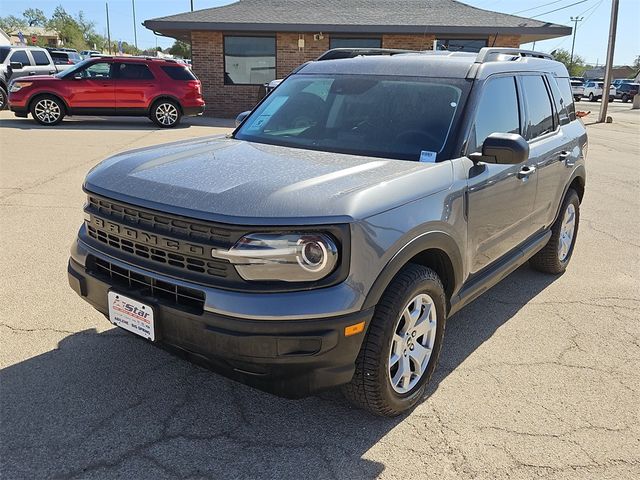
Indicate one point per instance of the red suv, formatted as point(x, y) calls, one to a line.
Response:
point(160, 89)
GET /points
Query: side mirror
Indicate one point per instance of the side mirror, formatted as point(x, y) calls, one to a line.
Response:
point(16, 65)
point(240, 118)
point(77, 76)
point(504, 149)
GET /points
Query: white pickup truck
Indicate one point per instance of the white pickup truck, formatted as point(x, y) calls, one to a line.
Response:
point(17, 61)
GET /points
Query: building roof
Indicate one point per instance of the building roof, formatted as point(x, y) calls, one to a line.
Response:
point(356, 16)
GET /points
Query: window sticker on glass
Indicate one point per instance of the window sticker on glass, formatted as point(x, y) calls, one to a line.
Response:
point(427, 156)
point(268, 112)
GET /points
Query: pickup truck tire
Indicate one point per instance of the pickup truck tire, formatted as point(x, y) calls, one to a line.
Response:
point(625, 98)
point(3, 98)
point(47, 110)
point(556, 254)
point(165, 113)
point(406, 332)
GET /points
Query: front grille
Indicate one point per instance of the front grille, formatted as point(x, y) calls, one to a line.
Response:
point(157, 223)
point(212, 267)
point(142, 285)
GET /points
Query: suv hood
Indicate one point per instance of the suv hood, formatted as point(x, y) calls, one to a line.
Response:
point(234, 181)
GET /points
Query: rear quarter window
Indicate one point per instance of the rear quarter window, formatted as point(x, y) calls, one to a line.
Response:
point(178, 73)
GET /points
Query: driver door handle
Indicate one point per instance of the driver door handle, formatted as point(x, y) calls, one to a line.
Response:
point(564, 155)
point(526, 171)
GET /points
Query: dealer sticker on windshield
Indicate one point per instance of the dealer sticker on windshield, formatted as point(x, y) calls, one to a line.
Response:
point(131, 315)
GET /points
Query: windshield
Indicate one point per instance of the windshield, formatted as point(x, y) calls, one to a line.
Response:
point(71, 70)
point(4, 51)
point(405, 118)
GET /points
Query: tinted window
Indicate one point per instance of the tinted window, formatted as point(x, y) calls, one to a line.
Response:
point(59, 58)
point(355, 43)
point(563, 99)
point(40, 57)
point(461, 45)
point(3, 53)
point(179, 73)
point(249, 60)
point(497, 112)
point(382, 116)
point(20, 56)
point(134, 71)
point(97, 70)
point(539, 106)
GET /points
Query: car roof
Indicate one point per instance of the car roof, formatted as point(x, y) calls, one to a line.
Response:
point(480, 65)
point(145, 60)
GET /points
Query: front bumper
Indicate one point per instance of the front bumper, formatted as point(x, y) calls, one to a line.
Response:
point(290, 358)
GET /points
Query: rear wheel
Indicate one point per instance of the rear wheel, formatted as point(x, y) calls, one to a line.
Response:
point(47, 110)
point(556, 254)
point(592, 98)
point(625, 97)
point(400, 350)
point(3, 99)
point(165, 113)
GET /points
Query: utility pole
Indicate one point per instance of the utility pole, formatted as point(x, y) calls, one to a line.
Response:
point(192, 5)
point(135, 30)
point(575, 21)
point(609, 65)
point(108, 28)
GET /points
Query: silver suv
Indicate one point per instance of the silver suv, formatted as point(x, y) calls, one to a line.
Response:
point(327, 240)
point(18, 62)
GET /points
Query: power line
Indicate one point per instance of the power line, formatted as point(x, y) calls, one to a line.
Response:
point(535, 8)
point(561, 8)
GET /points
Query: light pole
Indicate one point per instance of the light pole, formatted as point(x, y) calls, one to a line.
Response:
point(609, 65)
point(575, 21)
point(108, 28)
point(135, 32)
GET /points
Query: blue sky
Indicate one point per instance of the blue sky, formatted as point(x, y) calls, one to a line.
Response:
point(591, 42)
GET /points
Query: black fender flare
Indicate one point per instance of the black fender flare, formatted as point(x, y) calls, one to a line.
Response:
point(426, 241)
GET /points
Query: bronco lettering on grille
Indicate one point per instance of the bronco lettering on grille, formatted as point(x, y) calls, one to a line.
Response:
point(148, 238)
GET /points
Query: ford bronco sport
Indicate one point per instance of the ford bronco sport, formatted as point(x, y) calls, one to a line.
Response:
point(327, 240)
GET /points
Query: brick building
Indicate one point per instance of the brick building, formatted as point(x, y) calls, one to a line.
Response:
point(238, 47)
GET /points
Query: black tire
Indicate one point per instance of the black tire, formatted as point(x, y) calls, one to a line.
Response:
point(165, 113)
point(625, 98)
point(371, 388)
point(592, 98)
point(611, 99)
point(548, 260)
point(51, 104)
point(3, 99)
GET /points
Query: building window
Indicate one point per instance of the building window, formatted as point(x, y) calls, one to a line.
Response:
point(337, 42)
point(249, 60)
point(461, 45)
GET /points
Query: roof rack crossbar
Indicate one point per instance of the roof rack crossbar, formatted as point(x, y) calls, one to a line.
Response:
point(485, 54)
point(336, 53)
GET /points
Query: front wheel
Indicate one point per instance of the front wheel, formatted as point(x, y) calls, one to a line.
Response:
point(165, 113)
point(592, 98)
point(611, 99)
point(401, 348)
point(556, 254)
point(47, 110)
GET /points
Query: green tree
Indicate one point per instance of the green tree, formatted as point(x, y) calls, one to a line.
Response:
point(12, 24)
point(180, 49)
point(564, 56)
point(34, 17)
point(68, 29)
point(636, 63)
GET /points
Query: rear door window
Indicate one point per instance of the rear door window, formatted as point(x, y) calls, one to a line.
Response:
point(563, 99)
point(498, 112)
point(40, 57)
point(540, 118)
point(134, 71)
point(179, 73)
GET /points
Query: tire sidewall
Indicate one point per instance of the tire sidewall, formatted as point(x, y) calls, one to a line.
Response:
point(572, 198)
point(154, 118)
point(53, 99)
point(401, 402)
point(4, 99)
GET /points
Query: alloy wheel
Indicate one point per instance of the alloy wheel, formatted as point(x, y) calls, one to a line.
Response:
point(167, 113)
point(567, 232)
point(412, 343)
point(47, 111)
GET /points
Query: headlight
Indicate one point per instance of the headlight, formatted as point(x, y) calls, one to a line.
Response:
point(15, 86)
point(292, 257)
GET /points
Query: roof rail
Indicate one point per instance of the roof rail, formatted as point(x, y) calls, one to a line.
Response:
point(336, 53)
point(485, 54)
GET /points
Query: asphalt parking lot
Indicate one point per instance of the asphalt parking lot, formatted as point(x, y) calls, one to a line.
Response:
point(539, 378)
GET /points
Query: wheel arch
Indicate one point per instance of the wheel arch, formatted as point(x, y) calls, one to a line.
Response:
point(577, 182)
point(436, 250)
point(35, 96)
point(165, 96)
